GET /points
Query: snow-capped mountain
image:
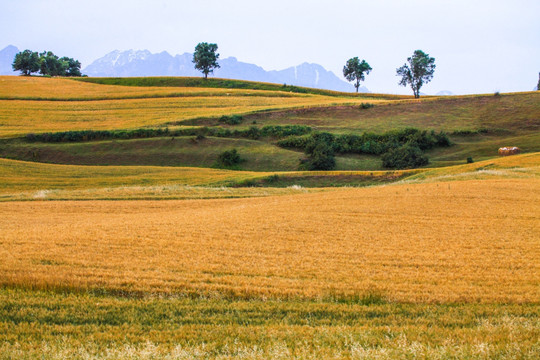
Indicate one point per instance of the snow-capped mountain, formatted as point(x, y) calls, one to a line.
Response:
point(144, 63)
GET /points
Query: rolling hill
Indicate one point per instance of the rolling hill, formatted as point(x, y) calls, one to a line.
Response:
point(124, 237)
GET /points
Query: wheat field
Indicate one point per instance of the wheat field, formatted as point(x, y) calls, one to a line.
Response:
point(464, 241)
point(33, 105)
point(151, 262)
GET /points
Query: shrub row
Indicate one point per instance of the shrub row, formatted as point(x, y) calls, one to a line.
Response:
point(253, 132)
point(369, 143)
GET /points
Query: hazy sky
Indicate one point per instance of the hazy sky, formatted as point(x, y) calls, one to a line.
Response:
point(480, 46)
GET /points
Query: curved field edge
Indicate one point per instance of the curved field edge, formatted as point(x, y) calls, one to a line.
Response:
point(45, 325)
point(20, 180)
point(230, 84)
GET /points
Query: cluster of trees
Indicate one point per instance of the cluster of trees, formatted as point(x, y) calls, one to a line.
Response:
point(46, 63)
point(399, 148)
point(416, 72)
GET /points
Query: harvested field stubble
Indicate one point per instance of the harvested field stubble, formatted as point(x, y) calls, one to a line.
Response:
point(465, 241)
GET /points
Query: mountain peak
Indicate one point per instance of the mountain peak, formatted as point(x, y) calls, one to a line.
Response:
point(10, 48)
point(7, 55)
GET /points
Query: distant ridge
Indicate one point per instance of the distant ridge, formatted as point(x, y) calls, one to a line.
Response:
point(144, 63)
point(7, 55)
point(444, 93)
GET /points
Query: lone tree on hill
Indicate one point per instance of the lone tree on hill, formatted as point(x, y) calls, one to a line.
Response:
point(354, 70)
point(205, 58)
point(417, 72)
point(27, 62)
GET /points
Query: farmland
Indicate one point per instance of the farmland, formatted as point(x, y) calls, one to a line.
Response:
point(145, 248)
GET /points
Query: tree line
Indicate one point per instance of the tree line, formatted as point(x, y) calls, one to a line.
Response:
point(46, 63)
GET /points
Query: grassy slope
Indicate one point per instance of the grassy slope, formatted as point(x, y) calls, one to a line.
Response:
point(510, 119)
point(180, 151)
point(509, 112)
point(197, 82)
point(36, 181)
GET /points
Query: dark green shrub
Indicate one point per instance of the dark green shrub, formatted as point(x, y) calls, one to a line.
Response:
point(470, 160)
point(253, 133)
point(403, 157)
point(231, 120)
point(271, 179)
point(442, 139)
point(229, 158)
point(366, 106)
point(320, 156)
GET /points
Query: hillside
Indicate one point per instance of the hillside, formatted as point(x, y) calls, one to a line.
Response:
point(477, 125)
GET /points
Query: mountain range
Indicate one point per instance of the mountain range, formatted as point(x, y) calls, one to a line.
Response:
point(144, 63)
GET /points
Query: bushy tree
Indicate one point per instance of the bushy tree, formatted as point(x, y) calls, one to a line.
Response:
point(355, 70)
point(51, 65)
point(403, 157)
point(320, 153)
point(229, 158)
point(417, 72)
point(27, 62)
point(205, 58)
point(72, 66)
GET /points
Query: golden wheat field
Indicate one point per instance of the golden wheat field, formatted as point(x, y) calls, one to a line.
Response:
point(39, 88)
point(44, 105)
point(464, 241)
point(163, 262)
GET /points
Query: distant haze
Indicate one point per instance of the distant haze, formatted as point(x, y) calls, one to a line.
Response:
point(480, 46)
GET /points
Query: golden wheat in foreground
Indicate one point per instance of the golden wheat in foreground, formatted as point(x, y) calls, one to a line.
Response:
point(462, 241)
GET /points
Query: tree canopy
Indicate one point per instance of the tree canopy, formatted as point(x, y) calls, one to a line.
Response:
point(47, 63)
point(205, 58)
point(27, 62)
point(354, 70)
point(417, 72)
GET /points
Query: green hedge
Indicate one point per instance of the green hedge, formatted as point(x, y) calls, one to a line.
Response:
point(253, 132)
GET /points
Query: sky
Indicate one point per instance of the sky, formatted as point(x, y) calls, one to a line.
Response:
point(479, 46)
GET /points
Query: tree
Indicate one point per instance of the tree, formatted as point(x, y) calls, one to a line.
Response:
point(26, 61)
point(73, 67)
point(320, 153)
point(354, 71)
point(406, 156)
point(51, 65)
point(229, 158)
point(417, 72)
point(205, 58)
